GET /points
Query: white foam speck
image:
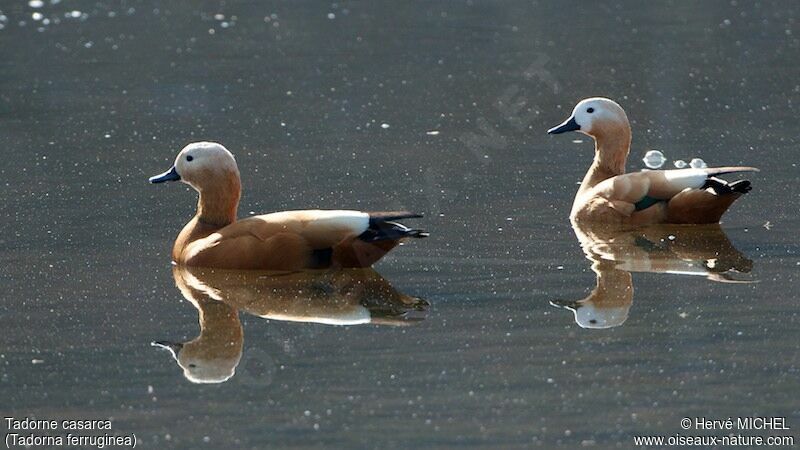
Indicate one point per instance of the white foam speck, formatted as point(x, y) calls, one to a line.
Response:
point(384, 125)
point(36, 3)
point(654, 159)
point(697, 163)
point(331, 16)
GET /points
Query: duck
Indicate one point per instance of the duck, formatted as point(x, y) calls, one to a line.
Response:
point(280, 241)
point(616, 252)
point(609, 195)
point(346, 297)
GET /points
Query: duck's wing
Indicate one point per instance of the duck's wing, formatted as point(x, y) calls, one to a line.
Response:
point(633, 192)
point(320, 228)
point(293, 240)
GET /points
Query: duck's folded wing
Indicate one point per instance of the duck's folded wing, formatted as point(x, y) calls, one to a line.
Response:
point(320, 228)
point(643, 189)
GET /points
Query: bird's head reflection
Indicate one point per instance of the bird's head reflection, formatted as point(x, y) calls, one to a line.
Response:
point(343, 297)
point(697, 250)
point(212, 356)
point(608, 304)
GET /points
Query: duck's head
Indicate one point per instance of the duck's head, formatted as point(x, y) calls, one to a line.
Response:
point(591, 315)
point(203, 363)
point(596, 117)
point(201, 164)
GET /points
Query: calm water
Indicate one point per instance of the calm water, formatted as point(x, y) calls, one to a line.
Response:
point(438, 108)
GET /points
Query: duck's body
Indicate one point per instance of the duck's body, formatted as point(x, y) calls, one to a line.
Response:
point(289, 240)
point(609, 195)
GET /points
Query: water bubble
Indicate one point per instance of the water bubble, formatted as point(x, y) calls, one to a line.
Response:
point(36, 3)
point(654, 159)
point(697, 163)
point(679, 164)
point(219, 16)
point(331, 16)
point(384, 125)
point(37, 16)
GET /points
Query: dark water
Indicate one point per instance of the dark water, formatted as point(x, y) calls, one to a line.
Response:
point(92, 105)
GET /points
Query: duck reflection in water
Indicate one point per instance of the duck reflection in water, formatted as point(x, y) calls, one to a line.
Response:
point(689, 250)
point(342, 297)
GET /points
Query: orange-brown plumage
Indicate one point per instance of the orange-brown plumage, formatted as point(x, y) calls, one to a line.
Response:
point(609, 195)
point(288, 240)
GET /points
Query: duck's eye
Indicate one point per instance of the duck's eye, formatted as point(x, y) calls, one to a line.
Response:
point(192, 366)
point(189, 157)
point(590, 110)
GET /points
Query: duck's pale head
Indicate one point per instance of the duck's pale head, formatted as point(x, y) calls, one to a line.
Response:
point(201, 164)
point(596, 117)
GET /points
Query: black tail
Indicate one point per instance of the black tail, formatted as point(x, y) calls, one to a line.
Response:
point(382, 227)
point(722, 187)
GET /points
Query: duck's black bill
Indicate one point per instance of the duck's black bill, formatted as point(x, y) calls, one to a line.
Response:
point(569, 125)
point(170, 175)
point(173, 347)
point(566, 304)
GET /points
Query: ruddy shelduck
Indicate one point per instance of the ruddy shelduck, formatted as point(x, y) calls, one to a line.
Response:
point(609, 195)
point(330, 297)
point(288, 240)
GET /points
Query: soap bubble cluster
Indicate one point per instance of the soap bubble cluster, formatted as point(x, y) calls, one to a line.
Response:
point(655, 159)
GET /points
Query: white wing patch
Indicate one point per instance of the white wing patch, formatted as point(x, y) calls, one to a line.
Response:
point(686, 178)
point(357, 316)
point(356, 221)
point(320, 220)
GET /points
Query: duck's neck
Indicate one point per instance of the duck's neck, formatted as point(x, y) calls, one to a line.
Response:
point(614, 286)
point(220, 327)
point(610, 154)
point(216, 208)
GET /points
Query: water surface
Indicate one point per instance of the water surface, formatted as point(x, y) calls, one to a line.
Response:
point(437, 108)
